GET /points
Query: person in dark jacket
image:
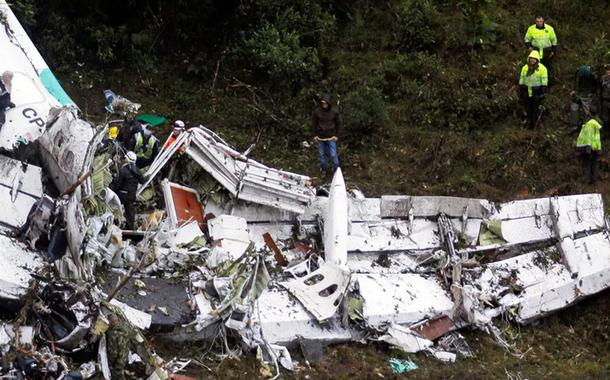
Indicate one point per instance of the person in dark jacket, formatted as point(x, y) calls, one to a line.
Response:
point(6, 82)
point(128, 131)
point(586, 87)
point(125, 185)
point(326, 125)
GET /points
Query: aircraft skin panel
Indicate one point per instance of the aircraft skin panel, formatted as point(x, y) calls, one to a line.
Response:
point(35, 89)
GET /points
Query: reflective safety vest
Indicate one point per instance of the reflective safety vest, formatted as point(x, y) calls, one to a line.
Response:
point(144, 151)
point(541, 38)
point(538, 78)
point(590, 136)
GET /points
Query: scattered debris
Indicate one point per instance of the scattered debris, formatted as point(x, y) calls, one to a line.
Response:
point(402, 366)
point(263, 264)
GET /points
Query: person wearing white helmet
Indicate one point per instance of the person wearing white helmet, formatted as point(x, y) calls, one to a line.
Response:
point(125, 185)
point(176, 131)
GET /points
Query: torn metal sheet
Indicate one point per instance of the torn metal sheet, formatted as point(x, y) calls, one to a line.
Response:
point(182, 204)
point(401, 206)
point(244, 178)
point(537, 283)
point(7, 335)
point(434, 328)
point(588, 258)
point(527, 221)
point(136, 317)
point(401, 298)
point(17, 263)
point(383, 262)
point(230, 233)
point(282, 320)
point(186, 234)
point(444, 356)
point(68, 146)
point(20, 188)
point(65, 316)
point(35, 89)
point(359, 210)
point(247, 179)
point(76, 231)
point(405, 339)
point(205, 318)
point(321, 291)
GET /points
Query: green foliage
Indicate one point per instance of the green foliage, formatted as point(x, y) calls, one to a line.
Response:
point(417, 25)
point(305, 18)
point(105, 39)
point(365, 116)
point(281, 56)
point(478, 30)
point(600, 52)
point(58, 44)
point(26, 11)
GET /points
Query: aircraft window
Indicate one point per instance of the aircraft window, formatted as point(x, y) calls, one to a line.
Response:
point(59, 140)
point(68, 160)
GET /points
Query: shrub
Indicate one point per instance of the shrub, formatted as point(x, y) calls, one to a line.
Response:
point(416, 25)
point(600, 53)
point(364, 116)
point(478, 30)
point(280, 55)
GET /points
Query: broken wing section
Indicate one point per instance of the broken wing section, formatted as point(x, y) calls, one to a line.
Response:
point(571, 261)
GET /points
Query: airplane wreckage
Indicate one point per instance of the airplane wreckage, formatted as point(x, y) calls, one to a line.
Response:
point(250, 254)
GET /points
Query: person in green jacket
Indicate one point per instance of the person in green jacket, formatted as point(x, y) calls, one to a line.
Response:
point(542, 37)
point(533, 83)
point(589, 145)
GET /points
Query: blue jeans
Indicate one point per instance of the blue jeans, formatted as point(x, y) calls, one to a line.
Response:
point(328, 149)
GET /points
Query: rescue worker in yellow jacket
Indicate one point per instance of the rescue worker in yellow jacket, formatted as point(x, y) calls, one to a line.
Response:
point(146, 147)
point(533, 83)
point(542, 38)
point(589, 145)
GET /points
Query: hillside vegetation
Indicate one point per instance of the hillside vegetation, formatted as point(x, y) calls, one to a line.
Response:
point(427, 88)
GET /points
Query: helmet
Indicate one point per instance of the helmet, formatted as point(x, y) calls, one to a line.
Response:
point(534, 54)
point(131, 157)
point(179, 124)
